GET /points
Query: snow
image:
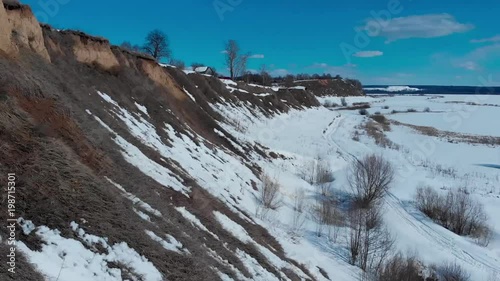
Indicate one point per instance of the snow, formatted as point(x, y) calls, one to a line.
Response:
point(263, 95)
point(189, 95)
point(241, 234)
point(201, 69)
point(142, 108)
point(194, 220)
point(298, 88)
point(67, 259)
point(26, 225)
point(137, 201)
point(172, 244)
point(303, 135)
point(394, 89)
point(229, 82)
point(329, 133)
point(134, 155)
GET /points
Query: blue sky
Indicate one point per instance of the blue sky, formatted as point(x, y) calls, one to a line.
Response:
point(398, 42)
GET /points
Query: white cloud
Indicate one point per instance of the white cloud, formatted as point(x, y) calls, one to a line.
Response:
point(473, 60)
point(256, 56)
point(493, 39)
point(368, 54)
point(469, 65)
point(223, 52)
point(420, 26)
point(279, 72)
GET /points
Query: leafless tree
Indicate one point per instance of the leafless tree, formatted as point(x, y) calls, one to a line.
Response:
point(270, 196)
point(157, 45)
point(266, 77)
point(177, 63)
point(235, 61)
point(299, 207)
point(369, 241)
point(128, 46)
point(370, 179)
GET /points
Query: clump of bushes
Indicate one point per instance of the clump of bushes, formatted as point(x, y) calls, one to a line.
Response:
point(363, 111)
point(385, 107)
point(411, 110)
point(456, 211)
point(427, 109)
point(379, 118)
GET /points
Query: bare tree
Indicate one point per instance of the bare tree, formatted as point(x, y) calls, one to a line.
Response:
point(370, 179)
point(270, 196)
point(299, 214)
point(128, 46)
point(235, 61)
point(325, 212)
point(266, 77)
point(157, 45)
point(177, 63)
point(369, 241)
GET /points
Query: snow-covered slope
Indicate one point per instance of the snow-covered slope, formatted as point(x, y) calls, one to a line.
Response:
point(131, 170)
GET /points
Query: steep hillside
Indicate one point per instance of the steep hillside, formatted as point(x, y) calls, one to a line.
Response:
point(125, 169)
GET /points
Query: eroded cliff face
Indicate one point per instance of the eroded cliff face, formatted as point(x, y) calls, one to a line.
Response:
point(18, 26)
point(91, 50)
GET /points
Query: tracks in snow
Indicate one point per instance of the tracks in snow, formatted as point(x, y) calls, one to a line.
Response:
point(446, 243)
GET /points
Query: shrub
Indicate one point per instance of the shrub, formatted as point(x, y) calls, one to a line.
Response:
point(370, 179)
point(178, 64)
point(377, 113)
point(451, 272)
point(270, 196)
point(379, 118)
point(326, 212)
point(456, 211)
point(343, 101)
point(299, 216)
point(363, 111)
point(385, 107)
point(411, 110)
point(397, 268)
point(318, 171)
point(427, 109)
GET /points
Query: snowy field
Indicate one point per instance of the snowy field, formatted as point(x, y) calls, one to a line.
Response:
point(304, 135)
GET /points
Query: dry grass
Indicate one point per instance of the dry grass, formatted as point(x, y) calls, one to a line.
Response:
point(452, 136)
point(376, 130)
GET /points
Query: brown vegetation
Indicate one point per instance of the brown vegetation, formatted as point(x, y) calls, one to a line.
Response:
point(456, 211)
point(451, 136)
